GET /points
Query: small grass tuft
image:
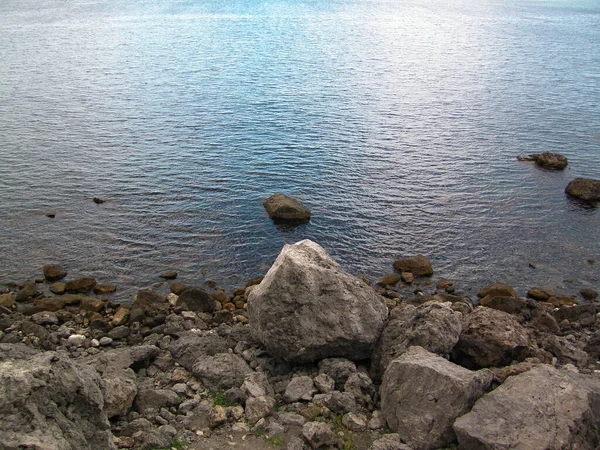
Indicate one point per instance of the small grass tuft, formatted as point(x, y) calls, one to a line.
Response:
point(221, 400)
point(275, 441)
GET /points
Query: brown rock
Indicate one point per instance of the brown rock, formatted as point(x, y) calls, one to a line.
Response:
point(7, 300)
point(177, 288)
point(28, 291)
point(49, 304)
point(589, 294)
point(407, 277)
point(584, 189)
point(121, 315)
point(567, 300)
point(389, 280)
point(54, 272)
point(169, 275)
point(197, 299)
point(281, 207)
point(444, 284)
point(540, 294)
point(151, 302)
point(417, 265)
point(254, 281)
point(58, 288)
point(550, 161)
point(509, 305)
point(220, 296)
point(91, 304)
point(497, 290)
point(80, 285)
point(104, 289)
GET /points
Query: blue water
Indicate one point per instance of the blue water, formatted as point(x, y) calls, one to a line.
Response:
point(397, 122)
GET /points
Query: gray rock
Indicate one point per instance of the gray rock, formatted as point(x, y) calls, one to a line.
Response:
point(155, 438)
point(120, 332)
point(307, 308)
point(256, 384)
point(47, 401)
point(291, 419)
point(80, 285)
point(339, 369)
point(542, 408)
point(258, 408)
point(224, 370)
point(418, 265)
point(355, 422)
point(565, 351)
point(338, 402)
point(281, 207)
point(44, 318)
point(30, 328)
point(318, 434)
point(361, 387)
point(54, 272)
point(433, 326)
point(390, 441)
point(584, 189)
point(119, 393)
point(422, 394)
point(150, 400)
point(197, 299)
point(299, 388)
point(550, 161)
point(490, 338)
point(114, 362)
point(191, 346)
point(296, 443)
point(136, 425)
point(152, 303)
point(324, 383)
point(28, 291)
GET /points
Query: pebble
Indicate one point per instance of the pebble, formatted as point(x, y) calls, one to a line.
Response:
point(76, 340)
point(104, 341)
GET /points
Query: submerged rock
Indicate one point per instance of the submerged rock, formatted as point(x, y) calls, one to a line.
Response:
point(280, 207)
point(307, 308)
point(54, 272)
point(550, 161)
point(584, 189)
point(418, 265)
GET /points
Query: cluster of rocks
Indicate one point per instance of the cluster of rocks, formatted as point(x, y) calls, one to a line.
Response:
point(585, 189)
point(306, 357)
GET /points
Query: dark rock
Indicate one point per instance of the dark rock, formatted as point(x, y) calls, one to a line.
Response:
point(422, 394)
point(98, 201)
point(338, 369)
point(280, 207)
point(418, 265)
point(307, 308)
point(150, 400)
point(550, 161)
point(389, 280)
point(30, 328)
point(169, 275)
point(177, 288)
point(497, 290)
point(254, 281)
point(540, 294)
point(565, 300)
point(91, 304)
point(224, 370)
point(565, 351)
point(54, 272)
point(7, 301)
point(27, 292)
point(580, 313)
point(584, 189)
point(197, 299)
point(509, 305)
point(104, 289)
point(490, 338)
point(136, 315)
point(589, 294)
point(48, 304)
point(564, 404)
point(152, 303)
point(58, 288)
point(191, 346)
point(120, 332)
point(80, 285)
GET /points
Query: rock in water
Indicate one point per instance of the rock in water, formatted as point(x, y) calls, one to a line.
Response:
point(417, 265)
point(550, 161)
point(584, 189)
point(422, 394)
point(280, 207)
point(47, 401)
point(54, 272)
point(542, 408)
point(307, 308)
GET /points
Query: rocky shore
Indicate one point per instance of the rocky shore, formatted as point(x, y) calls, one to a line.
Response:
point(306, 357)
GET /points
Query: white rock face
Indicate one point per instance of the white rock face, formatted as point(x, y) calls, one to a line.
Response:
point(307, 308)
point(543, 408)
point(422, 394)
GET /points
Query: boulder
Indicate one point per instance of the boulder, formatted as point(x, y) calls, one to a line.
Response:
point(224, 370)
point(48, 401)
point(390, 441)
point(197, 299)
point(418, 265)
point(318, 434)
point(510, 305)
point(433, 326)
point(544, 408)
point(28, 291)
point(422, 394)
point(497, 290)
point(540, 294)
point(307, 308)
point(54, 272)
point(584, 189)
point(191, 346)
point(550, 161)
point(280, 207)
point(80, 285)
point(589, 294)
point(490, 338)
point(300, 388)
point(152, 303)
point(259, 407)
point(7, 301)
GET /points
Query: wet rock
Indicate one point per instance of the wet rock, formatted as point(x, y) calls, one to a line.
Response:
point(152, 303)
point(27, 292)
point(121, 315)
point(171, 275)
point(497, 290)
point(564, 404)
point(98, 201)
point(47, 401)
point(565, 300)
point(408, 277)
point(177, 288)
point(58, 288)
point(422, 394)
point(80, 285)
point(44, 318)
point(54, 272)
point(390, 441)
point(417, 265)
point(389, 280)
point(540, 294)
point(550, 161)
point(433, 326)
point(258, 408)
point(223, 370)
point(7, 301)
point(197, 299)
point(589, 294)
point(318, 434)
point(510, 305)
point(91, 304)
point(281, 207)
point(490, 338)
point(307, 308)
point(105, 288)
point(584, 189)
point(300, 388)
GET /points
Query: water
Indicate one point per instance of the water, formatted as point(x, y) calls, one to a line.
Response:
point(396, 122)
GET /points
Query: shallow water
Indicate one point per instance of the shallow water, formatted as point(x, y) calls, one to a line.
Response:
point(396, 122)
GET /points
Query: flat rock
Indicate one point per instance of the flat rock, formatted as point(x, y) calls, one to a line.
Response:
point(418, 265)
point(497, 290)
point(433, 326)
point(105, 288)
point(389, 280)
point(281, 207)
point(490, 338)
point(224, 370)
point(540, 294)
point(151, 302)
point(544, 408)
point(27, 292)
point(58, 288)
point(307, 308)
point(318, 434)
point(54, 272)
point(300, 388)
point(510, 305)
point(550, 161)
point(589, 294)
point(80, 285)
point(422, 394)
point(584, 189)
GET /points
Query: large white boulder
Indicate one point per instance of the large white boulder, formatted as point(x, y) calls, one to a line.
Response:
point(307, 308)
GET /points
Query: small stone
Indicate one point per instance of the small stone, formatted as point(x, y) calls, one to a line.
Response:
point(567, 300)
point(171, 275)
point(540, 294)
point(98, 201)
point(324, 383)
point(318, 434)
point(300, 388)
point(104, 289)
point(355, 422)
point(377, 421)
point(218, 416)
point(58, 288)
point(172, 299)
point(408, 277)
point(177, 288)
point(7, 300)
point(589, 294)
point(291, 419)
point(54, 272)
point(76, 340)
point(258, 408)
point(105, 341)
point(120, 332)
point(44, 318)
point(497, 290)
point(120, 317)
point(91, 304)
point(28, 291)
point(389, 280)
point(80, 285)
